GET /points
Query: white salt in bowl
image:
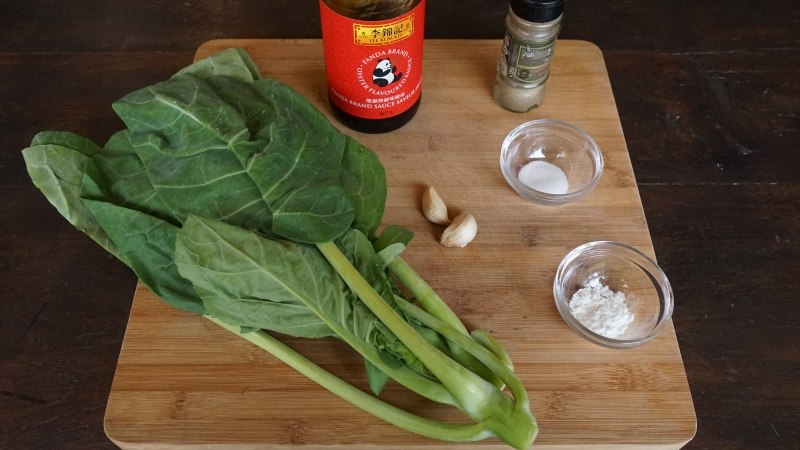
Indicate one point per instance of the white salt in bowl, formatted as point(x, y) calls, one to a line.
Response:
point(589, 274)
point(550, 162)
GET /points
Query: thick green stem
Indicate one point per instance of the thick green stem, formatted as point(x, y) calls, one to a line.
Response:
point(477, 398)
point(455, 377)
point(405, 376)
point(484, 355)
point(425, 294)
point(518, 427)
point(490, 343)
point(382, 410)
point(437, 307)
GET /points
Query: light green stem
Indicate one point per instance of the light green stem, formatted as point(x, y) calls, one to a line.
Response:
point(485, 339)
point(487, 357)
point(455, 377)
point(434, 305)
point(425, 294)
point(412, 380)
point(478, 399)
point(519, 424)
point(382, 410)
point(437, 307)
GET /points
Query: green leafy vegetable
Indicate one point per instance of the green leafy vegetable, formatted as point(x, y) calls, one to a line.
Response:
point(56, 162)
point(233, 197)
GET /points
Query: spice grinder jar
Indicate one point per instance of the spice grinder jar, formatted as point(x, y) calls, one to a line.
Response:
point(532, 27)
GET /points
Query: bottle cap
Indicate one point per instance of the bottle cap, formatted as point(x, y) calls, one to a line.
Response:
point(539, 11)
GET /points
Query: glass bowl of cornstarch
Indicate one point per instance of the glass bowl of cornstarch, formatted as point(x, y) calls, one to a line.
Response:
point(550, 162)
point(612, 294)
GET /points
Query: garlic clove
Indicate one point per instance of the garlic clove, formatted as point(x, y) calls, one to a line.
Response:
point(433, 207)
point(461, 232)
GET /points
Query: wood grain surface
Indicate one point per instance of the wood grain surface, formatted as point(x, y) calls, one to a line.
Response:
point(707, 99)
point(181, 381)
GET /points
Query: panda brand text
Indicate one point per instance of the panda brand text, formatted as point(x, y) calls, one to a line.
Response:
point(383, 54)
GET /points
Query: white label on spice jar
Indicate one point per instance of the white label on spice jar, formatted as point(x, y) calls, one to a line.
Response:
point(524, 62)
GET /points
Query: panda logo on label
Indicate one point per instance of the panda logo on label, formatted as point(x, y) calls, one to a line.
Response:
point(385, 73)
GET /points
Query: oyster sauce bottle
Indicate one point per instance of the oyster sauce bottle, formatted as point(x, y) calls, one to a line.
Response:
point(373, 61)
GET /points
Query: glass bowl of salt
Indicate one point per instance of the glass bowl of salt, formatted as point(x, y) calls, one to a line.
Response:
point(550, 162)
point(612, 294)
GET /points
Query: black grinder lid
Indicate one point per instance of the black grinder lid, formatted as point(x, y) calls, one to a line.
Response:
point(539, 11)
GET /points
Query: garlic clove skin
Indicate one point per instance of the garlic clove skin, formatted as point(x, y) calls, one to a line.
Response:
point(433, 207)
point(461, 232)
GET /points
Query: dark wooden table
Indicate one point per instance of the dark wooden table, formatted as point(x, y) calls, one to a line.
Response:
point(709, 97)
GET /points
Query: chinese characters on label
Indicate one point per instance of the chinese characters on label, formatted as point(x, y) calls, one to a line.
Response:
point(365, 34)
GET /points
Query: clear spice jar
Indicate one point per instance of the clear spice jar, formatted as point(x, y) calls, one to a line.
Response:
point(373, 61)
point(532, 27)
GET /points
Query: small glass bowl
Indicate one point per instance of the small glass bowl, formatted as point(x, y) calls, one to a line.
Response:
point(622, 268)
point(547, 143)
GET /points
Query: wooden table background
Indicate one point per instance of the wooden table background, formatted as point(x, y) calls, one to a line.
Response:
point(709, 98)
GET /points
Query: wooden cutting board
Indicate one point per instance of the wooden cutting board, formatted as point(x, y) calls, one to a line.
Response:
point(183, 382)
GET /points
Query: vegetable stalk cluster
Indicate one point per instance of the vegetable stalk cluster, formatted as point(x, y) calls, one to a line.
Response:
point(232, 197)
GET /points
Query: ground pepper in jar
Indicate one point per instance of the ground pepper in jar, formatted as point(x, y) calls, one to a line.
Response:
point(532, 27)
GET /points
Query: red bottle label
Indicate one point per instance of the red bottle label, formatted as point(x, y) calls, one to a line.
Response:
point(374, 68)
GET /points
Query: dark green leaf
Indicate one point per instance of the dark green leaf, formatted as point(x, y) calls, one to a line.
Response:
point(234, 63)
point(186, 113)
point(146, 244)
point(364, 179)
point(259, 113)
point(299, 168)
point(212, 183)
point(57, 172)
point(393, 234)
point(250, 281)
point(67, 139)
point(376, 378)
point(118, 176)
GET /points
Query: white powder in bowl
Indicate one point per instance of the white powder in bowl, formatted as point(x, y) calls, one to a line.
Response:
point(544, 177)
point(601, 310)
